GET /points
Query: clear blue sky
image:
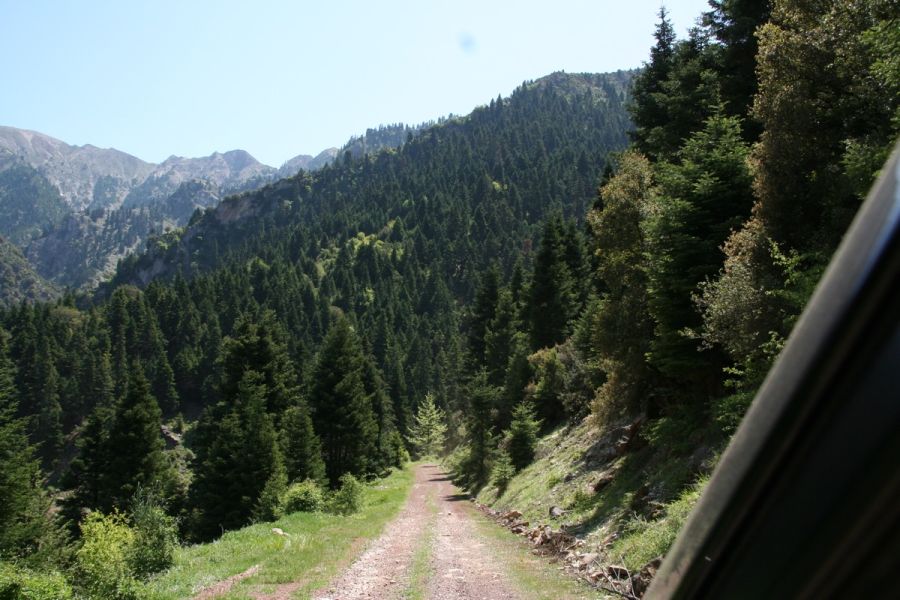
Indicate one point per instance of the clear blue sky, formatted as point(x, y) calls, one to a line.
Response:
point(190, 77)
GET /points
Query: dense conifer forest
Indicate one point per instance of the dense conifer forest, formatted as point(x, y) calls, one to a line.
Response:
point(592, 246)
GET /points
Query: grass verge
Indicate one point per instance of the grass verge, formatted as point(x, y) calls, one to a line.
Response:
point(639, 499)
point(643, 540)
point(316, 548)
point(420, 568)
point(534, 575)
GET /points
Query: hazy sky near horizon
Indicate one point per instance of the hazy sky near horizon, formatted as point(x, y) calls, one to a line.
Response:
point(190, 77)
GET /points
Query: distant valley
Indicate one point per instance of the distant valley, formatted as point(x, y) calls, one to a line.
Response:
point(69, 214)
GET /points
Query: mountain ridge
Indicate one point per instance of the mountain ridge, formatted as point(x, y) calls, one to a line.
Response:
point(290, 202)
point(75, 211)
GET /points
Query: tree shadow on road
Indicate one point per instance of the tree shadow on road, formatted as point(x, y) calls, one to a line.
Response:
point(456, 497)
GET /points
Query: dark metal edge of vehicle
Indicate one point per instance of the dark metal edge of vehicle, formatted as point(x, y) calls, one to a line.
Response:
point(805, 501)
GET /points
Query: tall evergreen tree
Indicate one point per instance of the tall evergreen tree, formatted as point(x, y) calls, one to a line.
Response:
point(554, 298)
point(237, 455)
point(620, 326)
point(258, 345)
point(482, 401)
point(523, 434)
point(702, 198)
point(733, 23)
point(648, 92)
point(300, 446)
point(21, 499)
point(518, 375)
point(428, 432)
point(499, 338)
point(48, 431)
point(342, 411)
point(134, 447)
point(483, 311)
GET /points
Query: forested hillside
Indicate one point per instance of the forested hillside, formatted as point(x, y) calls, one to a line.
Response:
point(306, 321)
point(314, 327)
point(19, 281)
point(75, 211)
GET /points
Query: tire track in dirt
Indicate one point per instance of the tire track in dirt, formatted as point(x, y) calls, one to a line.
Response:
point(461, 565)
point(382, 571)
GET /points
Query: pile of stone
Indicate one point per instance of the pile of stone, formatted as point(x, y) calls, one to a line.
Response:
point(564, 547)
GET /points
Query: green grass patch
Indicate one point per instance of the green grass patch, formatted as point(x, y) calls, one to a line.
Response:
point(535, 577)
point(420, 568)
point(644, 540)
point(317, 546)
point(646, 502)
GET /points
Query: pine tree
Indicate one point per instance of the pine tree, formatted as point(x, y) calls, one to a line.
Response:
point(702, 198)
point(88, 472)
point(300, 446)
point(518, 375)
point(482, 400)
point(342, 412)
point(734, 24)
point(549, 378)
point(620, 325)
point(523, 433)
point(258, 345)
point(649, 116)
point(134, 447)
point(429, 429)
point(237, 455)
point(269, 505)
point(483, 311)
point(554, 301)
point(45, 394)
point(499, 338)
point(21, 499)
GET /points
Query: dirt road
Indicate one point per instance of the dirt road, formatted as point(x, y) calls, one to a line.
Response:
point(433, 549)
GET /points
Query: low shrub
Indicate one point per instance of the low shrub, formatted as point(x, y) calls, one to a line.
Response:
point(641, 540)
point(305, 496)
point(348, 498)
point(155, 539)
point(17, 583)
point(729, 411)
point(270, 506)
point(502, 472)
point(103, 563)
point(678, 434)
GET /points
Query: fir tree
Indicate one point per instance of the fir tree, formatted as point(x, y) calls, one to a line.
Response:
point(734, 24)
point(554, 301)
point(482, 400)
point(650, 117)
point(499, 338)
point(45, 393)
point(300, 446)
point(134, 447)
point(21, 498)
point(702, 197)
point(523, 434)
point(518, 375)
point(483, 311)
point(258, 345)
point(429, 429)
point(342, 412)
point(269, 505)
point(237, 455)
point(619, 324)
